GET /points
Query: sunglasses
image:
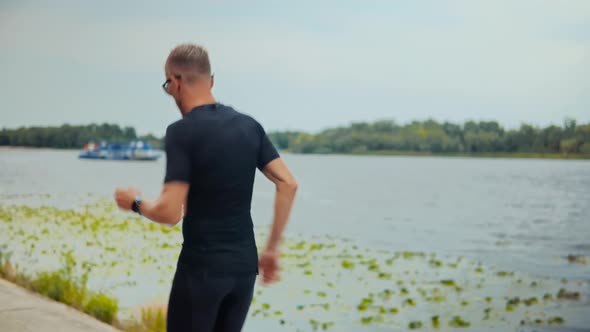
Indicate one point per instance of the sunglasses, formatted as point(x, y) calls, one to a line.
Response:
point(166, 84)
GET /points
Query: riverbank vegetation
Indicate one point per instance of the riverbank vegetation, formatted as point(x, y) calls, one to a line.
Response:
point(72, 137)
point(63, 286)
point(484, 138)
point(385, 137)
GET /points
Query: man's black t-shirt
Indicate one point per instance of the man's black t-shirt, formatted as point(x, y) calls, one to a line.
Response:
point(217, 151)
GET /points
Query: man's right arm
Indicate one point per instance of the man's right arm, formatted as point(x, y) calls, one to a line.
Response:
point(286, 186)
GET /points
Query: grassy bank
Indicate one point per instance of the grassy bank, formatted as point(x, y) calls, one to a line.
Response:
point(63, 286)
point(68, 284)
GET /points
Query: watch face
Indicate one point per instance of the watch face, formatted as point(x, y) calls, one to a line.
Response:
point(135, 205)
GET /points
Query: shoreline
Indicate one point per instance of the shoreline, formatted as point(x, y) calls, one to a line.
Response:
point(11, 148)
point(490, 155)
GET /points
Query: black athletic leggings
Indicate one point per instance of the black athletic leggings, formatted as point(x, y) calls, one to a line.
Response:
point(202, 303)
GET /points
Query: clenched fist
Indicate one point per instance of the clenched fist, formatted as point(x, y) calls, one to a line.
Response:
point(125, 197)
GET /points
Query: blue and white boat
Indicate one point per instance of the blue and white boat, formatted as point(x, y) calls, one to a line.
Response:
point(136, 150)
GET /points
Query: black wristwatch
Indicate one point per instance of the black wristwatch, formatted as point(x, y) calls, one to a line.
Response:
point(135, 205)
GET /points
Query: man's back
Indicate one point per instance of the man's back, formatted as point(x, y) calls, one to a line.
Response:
point(212, 155)
point(217, 150)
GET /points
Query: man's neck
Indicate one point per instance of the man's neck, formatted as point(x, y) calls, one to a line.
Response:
point(192, 104)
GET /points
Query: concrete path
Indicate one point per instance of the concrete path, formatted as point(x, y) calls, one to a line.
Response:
point(23, 311)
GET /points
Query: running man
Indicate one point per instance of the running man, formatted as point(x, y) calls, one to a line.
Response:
point(212, 154)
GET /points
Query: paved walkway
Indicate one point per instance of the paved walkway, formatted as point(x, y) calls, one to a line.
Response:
point(23, 311)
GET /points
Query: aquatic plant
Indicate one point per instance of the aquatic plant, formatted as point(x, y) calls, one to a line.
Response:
point(448, 282)
point(555, 320)
point(435, 321)
point(343, 275)
point(415, 325)
point(459, 322)
point(564, 294)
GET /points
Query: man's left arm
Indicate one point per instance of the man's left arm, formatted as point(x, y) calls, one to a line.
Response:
point(167, 209)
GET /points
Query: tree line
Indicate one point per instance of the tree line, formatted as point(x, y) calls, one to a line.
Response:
point(434, 137)
point(72, 137)
point(361, 137)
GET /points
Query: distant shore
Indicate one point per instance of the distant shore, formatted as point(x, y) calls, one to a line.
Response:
point(505, 155)
point(501, 155)
point(525, 155)
point(9, 147)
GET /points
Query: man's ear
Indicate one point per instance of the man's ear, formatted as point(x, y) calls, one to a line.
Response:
point(178, 86)
point(212, 81)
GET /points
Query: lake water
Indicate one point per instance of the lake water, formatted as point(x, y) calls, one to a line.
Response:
point(519, 215)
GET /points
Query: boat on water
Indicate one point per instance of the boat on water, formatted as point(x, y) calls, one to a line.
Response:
point(135, 150)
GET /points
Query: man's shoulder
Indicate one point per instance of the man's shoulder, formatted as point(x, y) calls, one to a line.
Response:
point(229, 109)
point(176, 125)
point(238, 114)
point(178, 130)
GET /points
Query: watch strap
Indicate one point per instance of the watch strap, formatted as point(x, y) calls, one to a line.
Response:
point(135, 205)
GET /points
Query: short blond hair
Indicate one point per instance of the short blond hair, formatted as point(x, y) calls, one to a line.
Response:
point(191, 61)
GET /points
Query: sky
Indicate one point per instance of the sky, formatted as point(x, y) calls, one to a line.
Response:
point(298, 65)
